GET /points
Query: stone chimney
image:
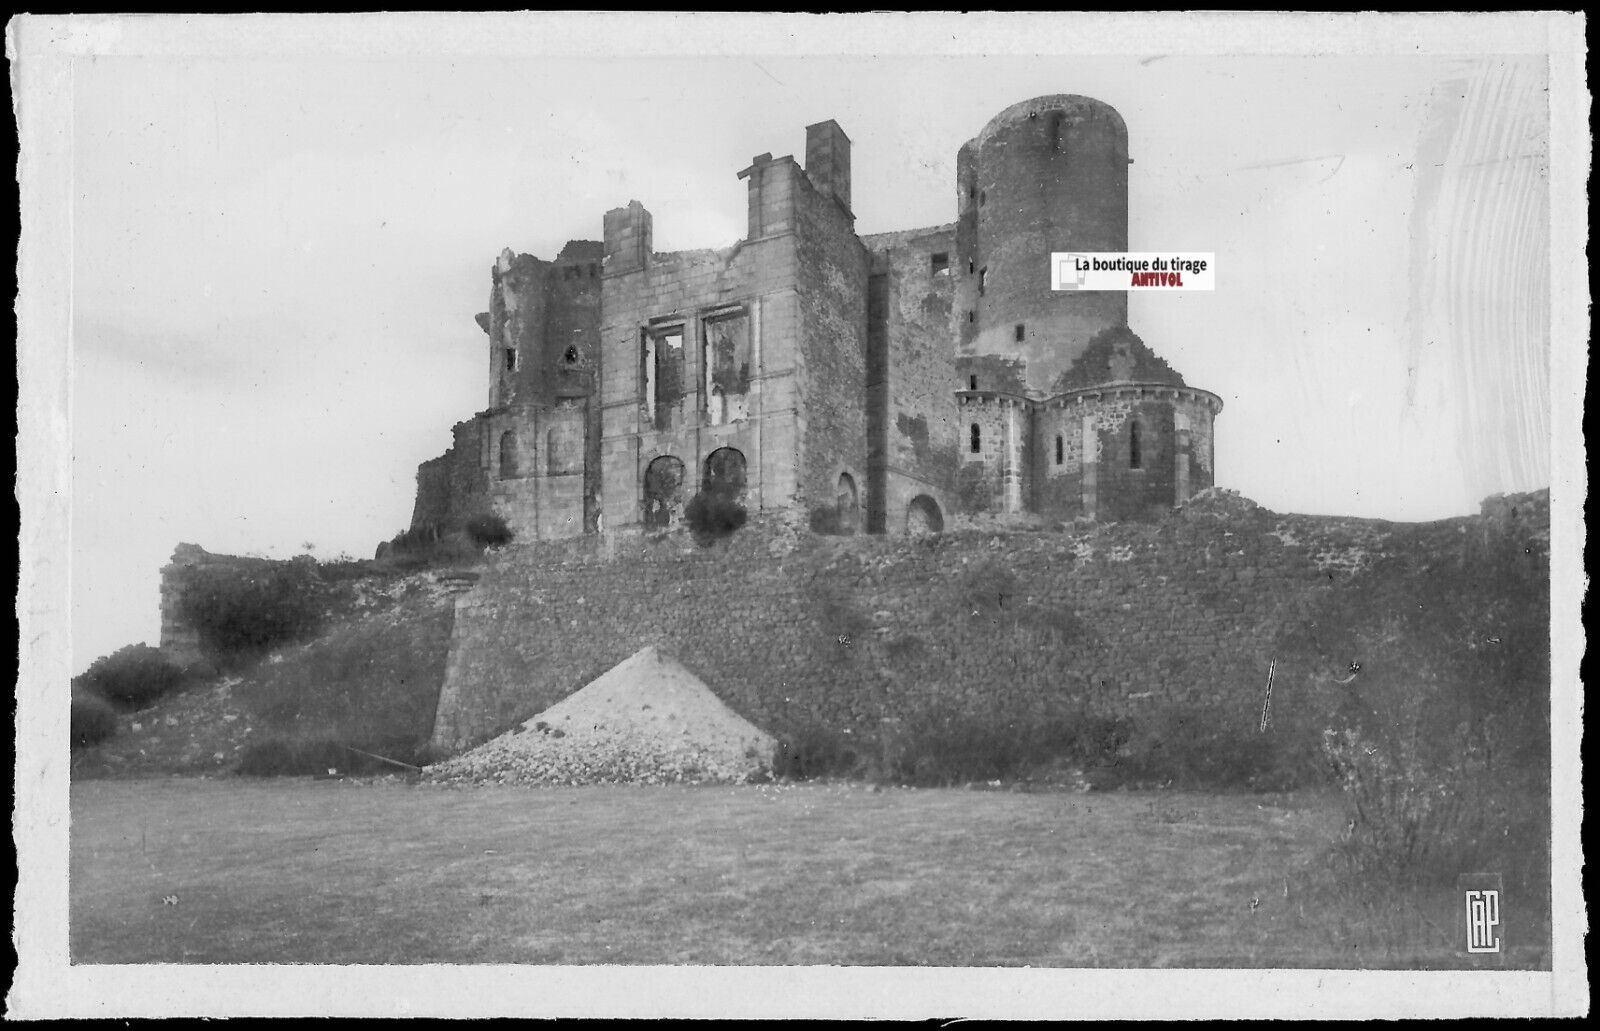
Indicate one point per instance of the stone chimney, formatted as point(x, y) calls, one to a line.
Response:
point(628, 238)
point(828, 160)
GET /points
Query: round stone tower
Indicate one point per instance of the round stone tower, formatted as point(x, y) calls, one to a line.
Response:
point(1046, 175)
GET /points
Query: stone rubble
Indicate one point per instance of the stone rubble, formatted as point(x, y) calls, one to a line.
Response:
point(646, 721)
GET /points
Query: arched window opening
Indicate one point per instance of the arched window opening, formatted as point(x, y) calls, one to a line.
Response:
point(847, 504)
point(1134, 457)
point(1061, 449)
point(718, 406)
point(923, 516)
point(508, 454)
point(663, 492)
point(724, 474)
point(977, 439)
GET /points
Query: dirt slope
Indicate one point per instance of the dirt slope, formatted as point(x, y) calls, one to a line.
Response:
point(648, 720)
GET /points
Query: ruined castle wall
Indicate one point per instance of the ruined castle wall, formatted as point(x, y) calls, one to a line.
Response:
point(831, 277)
point(991, 479)
point(741, 301)
point(916, 431)
point(455, 486)
point(847, 631)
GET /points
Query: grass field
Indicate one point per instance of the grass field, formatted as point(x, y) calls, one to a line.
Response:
point(301, 871)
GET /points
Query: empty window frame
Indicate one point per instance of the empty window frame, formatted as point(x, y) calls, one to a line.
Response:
point(977, 438)
point(508, 454)
point(661, 373)
point(939, 264)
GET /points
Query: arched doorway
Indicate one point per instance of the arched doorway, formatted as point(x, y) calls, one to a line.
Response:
point(848, 504)
point(663, 492)
point(508, 455)
point(724, 474)
point(923, 516)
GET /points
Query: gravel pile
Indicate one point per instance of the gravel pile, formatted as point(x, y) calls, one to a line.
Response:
point(647, 721)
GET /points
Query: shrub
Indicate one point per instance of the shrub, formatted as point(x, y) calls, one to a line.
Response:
point(488, 530)
point(135, 675)
point(815, 751)
point(711, 517)
point(93, 719)
point(1423, 807)
point(935, 748)
point(826, 520)
point(1442, 743)
point(1197, 747)
point(240, 614)
point(942, 747)
point(412, 550)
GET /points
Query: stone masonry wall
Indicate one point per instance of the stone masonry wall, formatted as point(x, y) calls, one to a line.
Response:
point(793, 630)
point(917, 431)
point(831, 276)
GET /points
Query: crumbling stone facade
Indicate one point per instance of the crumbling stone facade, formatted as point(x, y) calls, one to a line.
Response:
point(880, 383)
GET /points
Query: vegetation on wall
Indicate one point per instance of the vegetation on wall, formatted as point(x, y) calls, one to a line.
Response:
point(93, 720)
point(712, 516)
point(362, 694)
point(133, 676)
point(1441, 741)
point(240, 615)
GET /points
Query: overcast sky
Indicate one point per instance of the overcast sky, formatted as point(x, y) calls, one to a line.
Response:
point(277, 261)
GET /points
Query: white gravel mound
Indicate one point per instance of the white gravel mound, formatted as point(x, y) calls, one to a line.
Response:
point(646, 721)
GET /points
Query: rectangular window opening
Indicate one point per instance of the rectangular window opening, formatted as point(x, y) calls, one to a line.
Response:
point(1021, 331)
point(972, 383)
point(511, 359)
point(941, 264)
point(983, 280)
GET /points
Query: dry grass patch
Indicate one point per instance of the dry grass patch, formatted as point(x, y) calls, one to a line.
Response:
point(350, 872)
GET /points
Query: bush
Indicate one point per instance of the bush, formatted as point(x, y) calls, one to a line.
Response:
point(93, 719)
point(135, 675)
point(241, 614)
point(937, 748)
point(413, 550)
point(712, 517)
point(1423, 808)
point(827, 520)
point(488, 530)
point(1442, 742)
point(815, 751)
point(1201, 748)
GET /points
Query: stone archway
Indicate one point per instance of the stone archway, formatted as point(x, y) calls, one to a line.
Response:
point(847, 504)
point(725, 474)
point(923, 516)
point(663, 492)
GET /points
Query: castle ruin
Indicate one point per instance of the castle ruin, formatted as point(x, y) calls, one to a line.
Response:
point(878, 383)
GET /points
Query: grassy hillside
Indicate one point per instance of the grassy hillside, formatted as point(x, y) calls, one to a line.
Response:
point(370, 682)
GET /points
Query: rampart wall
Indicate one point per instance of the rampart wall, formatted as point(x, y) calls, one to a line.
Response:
point(792, 630)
